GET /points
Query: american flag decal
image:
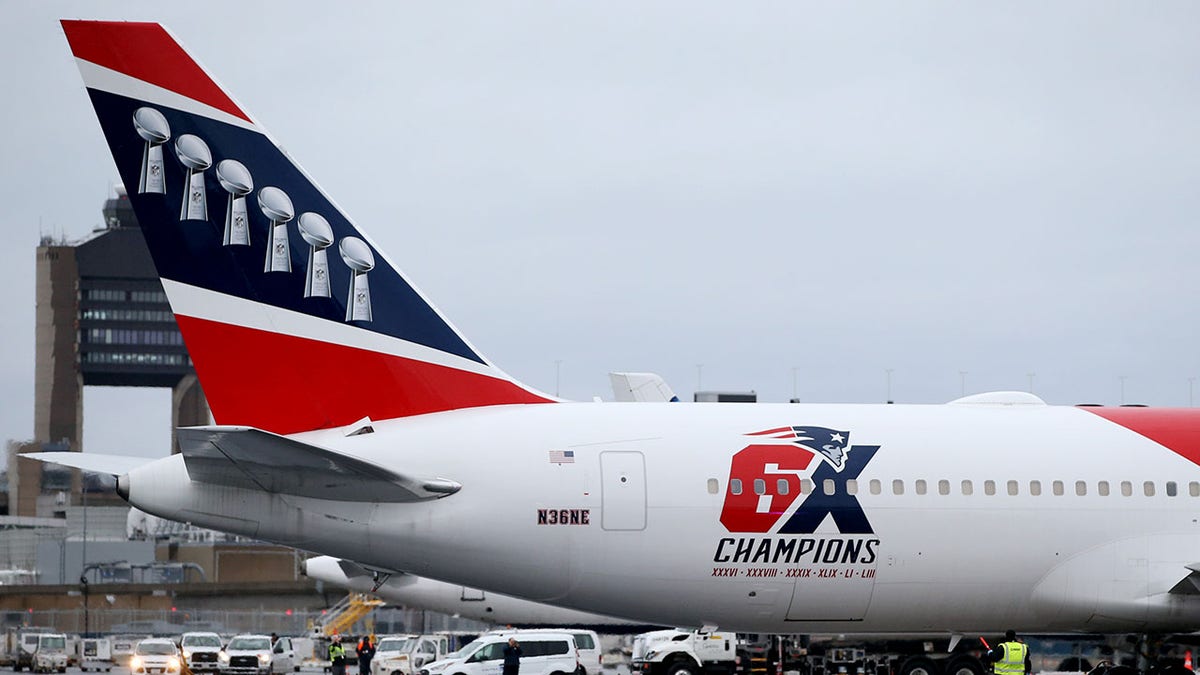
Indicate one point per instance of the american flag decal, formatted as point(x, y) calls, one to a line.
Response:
point(562, 456)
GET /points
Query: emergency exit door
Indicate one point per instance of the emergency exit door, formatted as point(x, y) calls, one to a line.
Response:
point(622, 490)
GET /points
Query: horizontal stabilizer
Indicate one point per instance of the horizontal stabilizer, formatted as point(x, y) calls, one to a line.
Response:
point(254, 459)
point(115, 465)
point(641, 388)
point(1189, 585)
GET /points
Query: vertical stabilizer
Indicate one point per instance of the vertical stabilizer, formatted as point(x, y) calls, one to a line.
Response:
point(293, 318)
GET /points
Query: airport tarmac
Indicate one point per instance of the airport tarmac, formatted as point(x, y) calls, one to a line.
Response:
point(608, 670)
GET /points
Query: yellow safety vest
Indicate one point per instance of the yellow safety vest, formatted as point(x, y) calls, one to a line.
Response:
point(1013, 661)
point(337, 652)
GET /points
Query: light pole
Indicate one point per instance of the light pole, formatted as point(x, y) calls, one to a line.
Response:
point(699, 376)
point(1122, 378)
point(889, 383)
point(795, 390)
point(557, 368)
point(83, 554)
point(1030, 376)
point(962, 382)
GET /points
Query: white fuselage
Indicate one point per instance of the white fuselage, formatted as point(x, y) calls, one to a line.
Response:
point(642, 500)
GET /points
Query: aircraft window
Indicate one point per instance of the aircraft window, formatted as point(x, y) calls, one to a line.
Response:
point(920, 486)
point(1035, 487)
point(1194, 489)
point(1172, 489)
point(735, 486)
point(852, 486)
point(1013, 490)
point(806, 486)
point(1148, 488)
point(713, 486)
point(829, 487)
point(1057, 488)
point(897, 487)
point(1126, 488)
point(1080, 488)
point(989, 487)
point(760, 486)
point(967, 488)
point(1102, 488)
point(876, 487)
point(781, 486)
point(943, 487)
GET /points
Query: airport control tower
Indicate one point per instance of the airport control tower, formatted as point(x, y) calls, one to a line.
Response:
point(102, 319)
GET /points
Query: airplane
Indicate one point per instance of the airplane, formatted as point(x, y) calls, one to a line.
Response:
point(455, 600)
point(355, 421)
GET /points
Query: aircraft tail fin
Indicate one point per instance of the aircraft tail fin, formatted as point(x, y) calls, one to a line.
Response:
point(293, 318)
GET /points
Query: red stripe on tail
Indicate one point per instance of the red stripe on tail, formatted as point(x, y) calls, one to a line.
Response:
point(287, 384)
point(147, 52)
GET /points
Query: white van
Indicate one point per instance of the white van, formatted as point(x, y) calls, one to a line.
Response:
point(587, 642)
point(541, 654)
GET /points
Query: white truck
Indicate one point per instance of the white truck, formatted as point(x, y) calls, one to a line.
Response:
point(95, 654)
point(201, 652)
point(406, 654)
point(677, 652)
point(19, 644)
point(50, 654)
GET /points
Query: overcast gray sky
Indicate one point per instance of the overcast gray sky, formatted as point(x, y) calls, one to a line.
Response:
point(837, 188)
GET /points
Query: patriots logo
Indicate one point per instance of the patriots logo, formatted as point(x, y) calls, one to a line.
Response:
point(766, 490)
point(828, 443)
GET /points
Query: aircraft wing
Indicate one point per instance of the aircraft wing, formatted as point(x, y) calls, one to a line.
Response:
point(115, 465)
point(354, 570)
point(251, 458)
point(246, 457)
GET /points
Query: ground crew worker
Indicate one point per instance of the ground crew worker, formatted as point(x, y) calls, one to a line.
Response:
point(512, 657)
point(337, 656)
point(1011, 657)
point(366, 652)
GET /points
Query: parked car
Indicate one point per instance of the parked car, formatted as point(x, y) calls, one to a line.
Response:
point(155, 656)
